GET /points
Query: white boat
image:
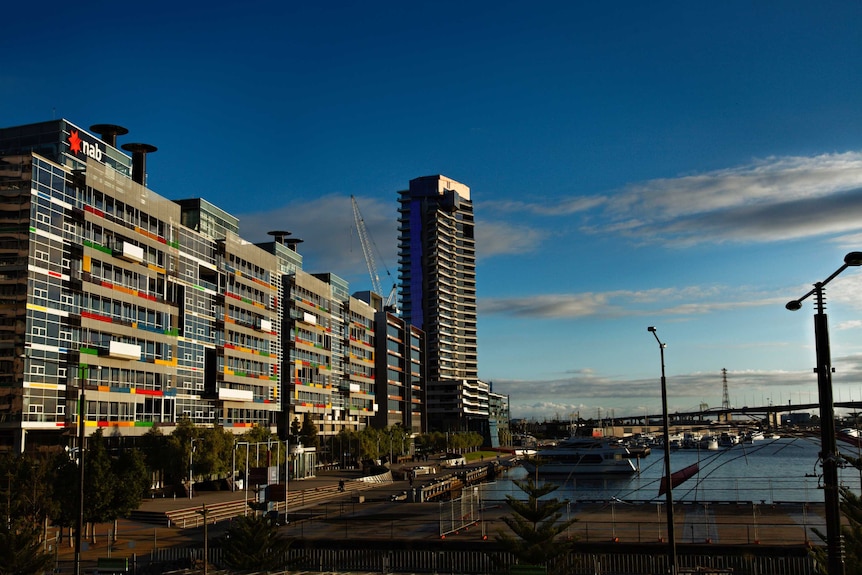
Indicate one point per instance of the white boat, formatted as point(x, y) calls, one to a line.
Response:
point(752, 436)
point(727, 440)
point(709, 442)
point(581, 456)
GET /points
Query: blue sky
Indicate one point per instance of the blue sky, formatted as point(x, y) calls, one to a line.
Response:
point(691, 166)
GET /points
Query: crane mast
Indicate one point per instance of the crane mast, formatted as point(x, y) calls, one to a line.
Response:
point(366, 241)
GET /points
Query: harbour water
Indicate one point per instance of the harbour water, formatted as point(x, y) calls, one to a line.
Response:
point(765, 471)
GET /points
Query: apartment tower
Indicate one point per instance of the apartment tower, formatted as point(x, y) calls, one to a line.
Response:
point(437, 276)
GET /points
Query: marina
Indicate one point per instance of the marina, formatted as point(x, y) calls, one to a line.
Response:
point(765, 471)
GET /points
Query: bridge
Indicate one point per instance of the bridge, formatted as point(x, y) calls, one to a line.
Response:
point(769, 414)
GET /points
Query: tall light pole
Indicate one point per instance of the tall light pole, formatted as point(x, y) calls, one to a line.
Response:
point(83, 373)
point(671, 537)
point(829, 450)
point(245, 479)
point(191, 462)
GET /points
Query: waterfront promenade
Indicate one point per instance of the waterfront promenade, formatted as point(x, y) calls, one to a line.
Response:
point(377, 512)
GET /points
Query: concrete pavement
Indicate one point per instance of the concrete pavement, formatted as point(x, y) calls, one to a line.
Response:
point(318, 510)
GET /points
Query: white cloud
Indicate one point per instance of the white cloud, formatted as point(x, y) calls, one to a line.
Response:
point(674, 302)
point(586, 393)
point(770, 200)
point(501, 238)
point(330, 240)
point(547, 207)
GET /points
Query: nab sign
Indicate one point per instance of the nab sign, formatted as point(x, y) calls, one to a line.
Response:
point(85, 146)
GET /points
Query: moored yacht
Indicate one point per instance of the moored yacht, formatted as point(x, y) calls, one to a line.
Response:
point(581, 456)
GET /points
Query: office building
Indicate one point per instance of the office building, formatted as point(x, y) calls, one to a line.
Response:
point(437, 276)
point(157, 309)
point(499, 433)
point(161, 312)
point(330, 371)
point(400, 373)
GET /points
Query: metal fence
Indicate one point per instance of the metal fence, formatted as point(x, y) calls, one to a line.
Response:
point(460, 513)
point(492, 562)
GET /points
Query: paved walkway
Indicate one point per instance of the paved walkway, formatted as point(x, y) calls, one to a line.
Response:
point(319, 510)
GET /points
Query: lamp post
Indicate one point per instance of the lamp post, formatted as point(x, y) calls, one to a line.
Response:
point(83, 373)
point(245, 479)
point(829, 450)
point(191, 462)
point(671, 537)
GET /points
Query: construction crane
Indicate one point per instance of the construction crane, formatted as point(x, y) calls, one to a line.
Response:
point(366, 241)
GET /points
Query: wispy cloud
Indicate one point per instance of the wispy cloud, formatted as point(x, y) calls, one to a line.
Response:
point(548, 207)
point(501, 238)
point(621, 303)
point(773, 199)
point(770, 200)
point(330, 241)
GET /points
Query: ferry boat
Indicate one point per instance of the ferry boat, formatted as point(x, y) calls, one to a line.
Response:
point(581, 456)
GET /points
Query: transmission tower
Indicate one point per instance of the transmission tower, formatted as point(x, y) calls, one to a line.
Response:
point(725, 398)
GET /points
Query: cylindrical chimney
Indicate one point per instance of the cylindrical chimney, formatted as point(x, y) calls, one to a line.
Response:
point(292, 242)
point(279, 235)
point(139, 160)
point(109, 132)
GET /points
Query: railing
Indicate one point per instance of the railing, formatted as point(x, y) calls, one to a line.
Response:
point(297, 499)
point(487, 562)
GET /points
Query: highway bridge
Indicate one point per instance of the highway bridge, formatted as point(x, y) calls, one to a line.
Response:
point(768, 415)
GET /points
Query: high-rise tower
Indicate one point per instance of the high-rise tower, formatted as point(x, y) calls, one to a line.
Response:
point(437, 273)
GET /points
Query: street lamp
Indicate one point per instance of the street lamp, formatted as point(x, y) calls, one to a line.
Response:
point(245, 479)
point(83, 374)
point(829, 454)
point(191, 462)
point(671, 551)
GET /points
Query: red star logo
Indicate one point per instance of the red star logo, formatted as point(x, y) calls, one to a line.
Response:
point(75, 142)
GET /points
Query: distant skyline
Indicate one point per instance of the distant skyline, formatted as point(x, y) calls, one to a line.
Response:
point(688, 166)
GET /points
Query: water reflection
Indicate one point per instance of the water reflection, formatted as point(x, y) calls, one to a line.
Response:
point(766, 471)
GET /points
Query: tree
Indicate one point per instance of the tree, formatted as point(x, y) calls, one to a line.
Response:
point(295, 430)
point(536, 525)
point(132, 484)
point(252, 543)
point(113, 486)
point(100, 482)
point(213, 452)
point(65, 491)
point(308, 433)
point(348, 442)
point(177, 451)
point(27, 479)
point(21, 550)
point(153, 445)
